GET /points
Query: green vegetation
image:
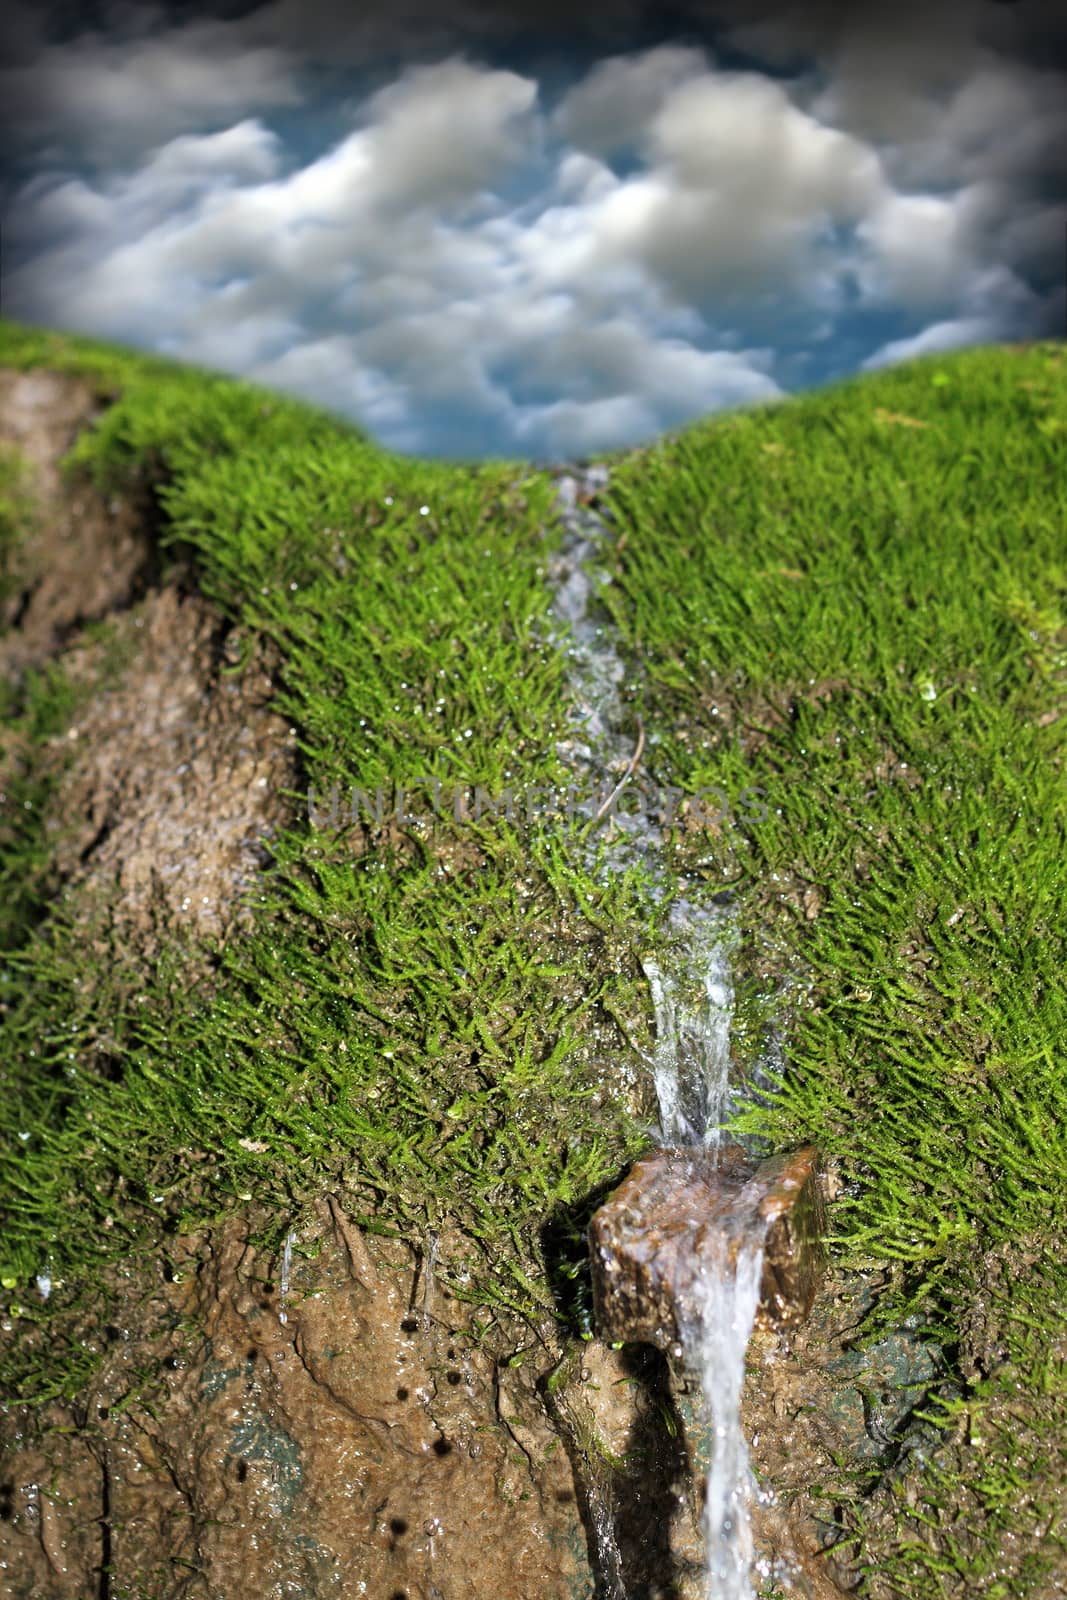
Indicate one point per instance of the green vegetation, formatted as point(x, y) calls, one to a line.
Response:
point(853, 601)
point(32, 712)
point(873, 614)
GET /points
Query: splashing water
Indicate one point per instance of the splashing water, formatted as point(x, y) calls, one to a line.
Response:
point(609, 1557)
point(691, 1066)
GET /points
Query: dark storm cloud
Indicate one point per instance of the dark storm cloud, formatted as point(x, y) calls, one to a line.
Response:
point(932, 40)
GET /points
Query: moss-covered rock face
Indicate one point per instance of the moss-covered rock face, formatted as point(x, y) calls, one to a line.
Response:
point(232, 1017)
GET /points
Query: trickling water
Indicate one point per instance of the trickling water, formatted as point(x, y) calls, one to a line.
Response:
point(691, 1067)
point(693, 1005)
point(609, 1556)
point(283, 1285)
point(430, 1263)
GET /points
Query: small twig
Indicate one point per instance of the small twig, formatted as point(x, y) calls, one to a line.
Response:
point(360, 1264)
point(627, 775)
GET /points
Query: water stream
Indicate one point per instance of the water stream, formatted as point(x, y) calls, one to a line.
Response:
point(693, 1003)
point(691, 1067)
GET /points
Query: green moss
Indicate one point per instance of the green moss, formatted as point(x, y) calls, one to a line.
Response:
point(35, 710)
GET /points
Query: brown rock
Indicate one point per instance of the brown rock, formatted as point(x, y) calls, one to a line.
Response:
point(647, 1241)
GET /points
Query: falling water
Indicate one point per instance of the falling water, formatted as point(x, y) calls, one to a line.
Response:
point(715, 1346)
point(283, 1285)
point(691, 1068)
point(693, 1004)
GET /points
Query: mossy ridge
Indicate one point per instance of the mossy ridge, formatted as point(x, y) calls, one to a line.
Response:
point(475, 954)
point(857, 602)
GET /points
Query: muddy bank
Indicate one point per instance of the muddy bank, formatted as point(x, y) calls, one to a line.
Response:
point(347, 1439)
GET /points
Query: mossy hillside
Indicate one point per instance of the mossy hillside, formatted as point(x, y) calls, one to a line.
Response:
point(423, 1013)
point(856, 602)
point(852, 600)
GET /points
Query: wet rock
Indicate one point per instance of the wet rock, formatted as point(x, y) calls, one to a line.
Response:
point(366, 1445)
point(646, 1241)
point(617, 1417)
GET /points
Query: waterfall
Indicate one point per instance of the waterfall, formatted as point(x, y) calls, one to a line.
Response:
point(691, 1065)
point(609, 1557)
point(693, 1005)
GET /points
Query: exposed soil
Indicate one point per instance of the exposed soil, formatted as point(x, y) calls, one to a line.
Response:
point(89, 556)
point(366, 1444)
point(178, 778)
point(178, 768)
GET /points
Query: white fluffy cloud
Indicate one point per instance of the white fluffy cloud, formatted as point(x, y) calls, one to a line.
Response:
point(397, 278)
point(918, 248)
point(614, 103)
point(441, 133)
point(995, 300)
point(950, 335)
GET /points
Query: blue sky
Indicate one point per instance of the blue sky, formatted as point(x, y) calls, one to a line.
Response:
point(480, 232)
